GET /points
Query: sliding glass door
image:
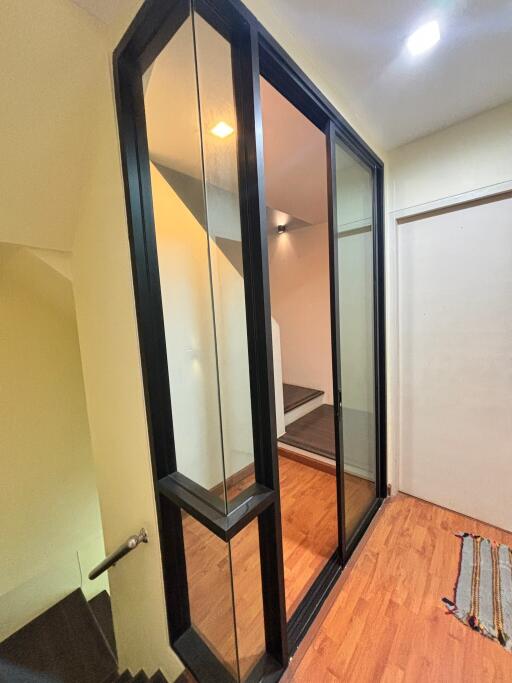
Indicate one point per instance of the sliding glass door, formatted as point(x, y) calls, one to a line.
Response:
point(353, 255)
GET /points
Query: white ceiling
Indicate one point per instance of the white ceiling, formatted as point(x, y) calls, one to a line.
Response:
point(397, 98)
point(295, 159)
point(359, 45)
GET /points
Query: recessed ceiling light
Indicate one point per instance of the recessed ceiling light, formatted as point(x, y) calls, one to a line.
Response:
point(221, 129)
point(424, 38)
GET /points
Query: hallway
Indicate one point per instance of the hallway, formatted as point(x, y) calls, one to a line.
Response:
point(387, 622)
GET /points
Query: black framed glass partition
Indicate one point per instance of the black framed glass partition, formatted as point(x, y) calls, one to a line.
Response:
point(183, 89)
point(187, 94)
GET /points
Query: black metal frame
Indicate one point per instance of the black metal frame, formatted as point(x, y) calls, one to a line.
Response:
point(255, 53)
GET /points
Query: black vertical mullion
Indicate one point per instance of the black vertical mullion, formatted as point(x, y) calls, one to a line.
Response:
point(379, 324)
point(135, 160)
point(335, 332)
point(259, 330)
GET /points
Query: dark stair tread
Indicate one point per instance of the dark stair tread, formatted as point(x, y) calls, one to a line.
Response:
point(295, 396)
point(64, 642)
point(158, 677)
point(114, 678)
point(314, 432)
point(102, 610)
point(125, 677)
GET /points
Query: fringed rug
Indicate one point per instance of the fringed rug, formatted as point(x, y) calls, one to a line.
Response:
point(483, 591)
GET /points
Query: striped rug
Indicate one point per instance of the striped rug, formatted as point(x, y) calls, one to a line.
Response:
point(483, 591)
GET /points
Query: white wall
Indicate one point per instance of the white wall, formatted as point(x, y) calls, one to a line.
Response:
point(300, 301)
point(455, 339)
point(51, 526)
point(468, 159)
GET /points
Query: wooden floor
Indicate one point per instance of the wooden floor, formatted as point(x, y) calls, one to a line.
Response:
point(387, 622)
point(310, 534)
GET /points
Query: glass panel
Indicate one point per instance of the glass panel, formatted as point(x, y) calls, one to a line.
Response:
point(354, 233)
point(247, 587)
point(210, 591)
point(192, 140)
point(219, 130)
point(174, 141)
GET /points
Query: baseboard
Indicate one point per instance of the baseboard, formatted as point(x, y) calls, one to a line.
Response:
point(359, 472)
point(320, 462)
point(233, 479)
point(313, 460)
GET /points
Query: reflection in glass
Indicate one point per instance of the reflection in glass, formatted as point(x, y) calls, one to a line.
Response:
point(210, 591)
point(247, 587)
point(194, 177)
point(354, 233)
point(225, 594)
point(217, 108)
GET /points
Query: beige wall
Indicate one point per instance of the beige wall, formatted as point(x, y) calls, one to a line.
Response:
point(467, 156)
point(115, 399)
point(51, 527)
point(61, 187)
point(300, 300)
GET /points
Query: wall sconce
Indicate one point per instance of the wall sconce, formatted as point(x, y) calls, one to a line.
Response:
point(281, 229)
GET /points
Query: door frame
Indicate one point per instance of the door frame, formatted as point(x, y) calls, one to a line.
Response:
point(148, 33)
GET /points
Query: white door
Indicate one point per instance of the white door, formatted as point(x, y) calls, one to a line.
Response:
point(455, 360)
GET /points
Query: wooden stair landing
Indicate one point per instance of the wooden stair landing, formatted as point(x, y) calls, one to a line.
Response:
point(295, 396)
point(314, 432)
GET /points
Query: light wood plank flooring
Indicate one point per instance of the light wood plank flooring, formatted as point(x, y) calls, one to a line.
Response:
point(309, 519)
point(387, 622)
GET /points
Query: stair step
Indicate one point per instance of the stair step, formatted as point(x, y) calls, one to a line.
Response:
point(295, 396)
point(65, 643)
point(102, 610)
point(113, 678)
point(125, 677)
point(314, 432)
point(158, 677)
point(141, 678)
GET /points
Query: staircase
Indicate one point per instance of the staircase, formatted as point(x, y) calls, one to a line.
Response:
point(299, 401)
point(72, 642)
point(141, 677)
point(309, 426)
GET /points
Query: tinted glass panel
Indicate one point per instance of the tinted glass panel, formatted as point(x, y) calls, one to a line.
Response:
point(210, 591)
point(245, 558)
point(220, 140)
point(354, 235)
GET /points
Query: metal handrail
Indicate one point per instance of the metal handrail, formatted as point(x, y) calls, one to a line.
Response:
point(129, 545)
